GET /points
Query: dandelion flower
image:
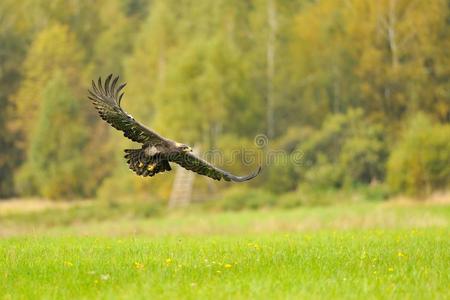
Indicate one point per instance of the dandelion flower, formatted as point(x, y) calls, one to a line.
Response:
point(168, 261)
point(227, 266)
point(138, 266)
point(391, 269)
point(401, 254)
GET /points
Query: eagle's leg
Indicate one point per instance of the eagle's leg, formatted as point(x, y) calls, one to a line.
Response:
point(146, 165)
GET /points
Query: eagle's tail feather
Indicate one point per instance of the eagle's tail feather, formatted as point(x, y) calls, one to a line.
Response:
point(143, 165)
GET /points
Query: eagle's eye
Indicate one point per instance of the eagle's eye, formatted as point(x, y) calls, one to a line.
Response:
point(184, 148)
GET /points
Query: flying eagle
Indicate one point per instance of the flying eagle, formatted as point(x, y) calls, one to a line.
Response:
point(156, 151)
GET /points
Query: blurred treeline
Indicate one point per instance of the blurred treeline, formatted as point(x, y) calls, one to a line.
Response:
point(359, 87)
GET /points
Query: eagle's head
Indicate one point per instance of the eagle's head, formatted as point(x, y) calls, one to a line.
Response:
point(183, 147)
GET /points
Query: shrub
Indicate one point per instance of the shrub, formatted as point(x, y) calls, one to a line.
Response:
point(281, 175)
point(284, 161)
point(347, 150)
point(420, 163)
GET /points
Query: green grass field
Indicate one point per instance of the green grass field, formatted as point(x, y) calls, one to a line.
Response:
point(352, 252)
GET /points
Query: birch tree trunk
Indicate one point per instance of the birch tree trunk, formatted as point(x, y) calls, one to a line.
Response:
point(271, 52)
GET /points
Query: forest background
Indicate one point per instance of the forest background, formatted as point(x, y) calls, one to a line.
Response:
point(347, 97)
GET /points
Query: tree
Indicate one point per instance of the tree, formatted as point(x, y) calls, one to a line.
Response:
point(397, 45)
point(271, 55)
point(55, 166)
point(202, 73)
point(10, 49)
point(320, 76)
point(55, 50)
point(112, 43)
point(346, 150)
point(420, 161)
point(14, 34)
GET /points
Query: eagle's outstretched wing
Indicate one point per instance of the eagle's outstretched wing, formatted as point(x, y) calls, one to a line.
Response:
point(193, 163)
point(106, 100)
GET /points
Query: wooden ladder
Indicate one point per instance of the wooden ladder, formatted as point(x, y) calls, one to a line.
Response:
point(183, 184)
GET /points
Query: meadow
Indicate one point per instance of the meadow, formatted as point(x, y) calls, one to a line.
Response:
point(378, 250)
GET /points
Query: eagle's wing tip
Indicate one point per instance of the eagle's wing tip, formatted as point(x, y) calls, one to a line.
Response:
point(246, 178)
point(256, 173)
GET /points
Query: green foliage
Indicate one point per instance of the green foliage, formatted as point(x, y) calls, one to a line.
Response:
point(205, 77)
point(282, 175)
point(14, 36)
point(11, 52)
point(55, 166)
point(420, 162)
point(382, 56)
point(283, 165)
point(347, 150)
point(342, 76)
point(54, 52)
point(113, 42)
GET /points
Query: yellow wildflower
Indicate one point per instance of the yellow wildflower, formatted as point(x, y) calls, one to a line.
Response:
point(391, 269)
point(401, 254)
point(227, 266)
point(138, 266)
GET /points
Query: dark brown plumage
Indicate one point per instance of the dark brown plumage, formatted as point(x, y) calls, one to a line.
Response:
point(156, 151)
